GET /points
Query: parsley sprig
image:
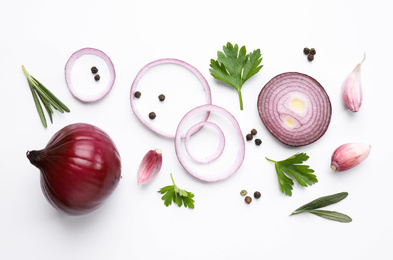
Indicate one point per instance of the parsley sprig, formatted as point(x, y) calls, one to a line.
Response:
point(235, 66)
point(177, 195)
point(292, 166)
point(48, 99)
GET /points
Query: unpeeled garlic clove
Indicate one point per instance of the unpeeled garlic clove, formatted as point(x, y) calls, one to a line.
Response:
point(150, 166)
point(351, 90)
point(349, 155)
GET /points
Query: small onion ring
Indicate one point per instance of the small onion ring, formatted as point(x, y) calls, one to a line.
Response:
point(210, 176)
point(299, 121)
point(150, 65)
point(70, 64)
point(219, 149)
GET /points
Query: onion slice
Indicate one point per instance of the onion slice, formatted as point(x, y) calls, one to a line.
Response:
point(210, 176)
point(295, 108)
point(100, 92)
point(150, 65)
point(220, 147)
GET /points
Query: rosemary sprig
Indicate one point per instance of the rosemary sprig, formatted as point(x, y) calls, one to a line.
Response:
point(48, 99)
point(313, 206)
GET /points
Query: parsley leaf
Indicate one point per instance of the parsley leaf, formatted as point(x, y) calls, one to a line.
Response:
point(292, 166)
point(235, 66)
point(177, 195)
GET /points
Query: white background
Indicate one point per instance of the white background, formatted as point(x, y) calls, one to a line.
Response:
point(134, 223)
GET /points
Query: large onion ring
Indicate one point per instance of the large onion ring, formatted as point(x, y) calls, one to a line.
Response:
point(150, 65)
point(210, 176)
point(68, 71)
point(295, 108)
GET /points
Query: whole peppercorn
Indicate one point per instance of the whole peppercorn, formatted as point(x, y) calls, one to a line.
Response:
point(161, 97)
point(257, 194)
point(254, 132)
point(310, 57)
point(152, 115)
point(249, 137)
point(312, 51)
point(248, 199)
point(97, 77)
point(94, 70)
point(258, 141)
point(137, 94)
point(306, 50)
point(243, 192)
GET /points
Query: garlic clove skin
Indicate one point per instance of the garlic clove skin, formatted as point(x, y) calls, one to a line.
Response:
point(351, 90)
point(349, 155)
point(150, 166)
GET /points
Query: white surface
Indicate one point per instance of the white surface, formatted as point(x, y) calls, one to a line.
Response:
point(134, 223)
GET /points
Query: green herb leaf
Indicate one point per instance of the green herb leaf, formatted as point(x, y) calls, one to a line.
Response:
point(312, 207)
point(332, 215)
point(48, 99)
point(291, 166)
point(174, 194)
point(321, 202)
point(234, 67)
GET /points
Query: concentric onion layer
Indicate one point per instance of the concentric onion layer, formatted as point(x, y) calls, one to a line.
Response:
point(142, 72)
point(295, 108)
point(208, 175)
point(100, 92)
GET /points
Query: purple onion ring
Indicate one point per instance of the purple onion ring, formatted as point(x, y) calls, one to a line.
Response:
point(68, 71)
point(295, 108)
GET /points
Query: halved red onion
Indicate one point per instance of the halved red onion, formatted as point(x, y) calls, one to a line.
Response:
point(100, 93)
point(210, 176)
point(150, 65)
point(220, 147)
point(295, 108)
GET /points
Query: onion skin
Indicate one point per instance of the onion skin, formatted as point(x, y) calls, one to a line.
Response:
point(80, 168)
point(349, 155)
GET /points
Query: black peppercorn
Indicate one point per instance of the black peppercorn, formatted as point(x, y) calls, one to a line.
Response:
point(248, 199)
point(253, 131)
point(310, 57)
point(161, 97)
point(257, 194)
point(137, 94)
point(306, 50)
point(97, 77)
point(249, 137)
point(258, 141)
point(312, 51)
point(152, 115)
point(94, 70)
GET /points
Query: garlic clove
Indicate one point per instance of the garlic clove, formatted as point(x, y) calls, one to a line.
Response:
point(349, 155)
point(150, 166)
point(351, 90)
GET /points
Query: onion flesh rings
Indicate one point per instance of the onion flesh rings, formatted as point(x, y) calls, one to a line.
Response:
point(295, 108)
point(219, 149)
point(91, 97)
point(210, 176)
point(140, 74)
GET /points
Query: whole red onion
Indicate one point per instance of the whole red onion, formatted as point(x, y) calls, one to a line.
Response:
point(80, 168)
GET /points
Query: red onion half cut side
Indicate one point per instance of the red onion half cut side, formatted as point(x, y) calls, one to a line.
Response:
point(93, 93)
point(295, 108)
point(142, 72)
point(204, 173)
